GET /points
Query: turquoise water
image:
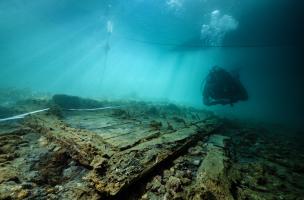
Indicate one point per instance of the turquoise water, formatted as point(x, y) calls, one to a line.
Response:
point(158, 50)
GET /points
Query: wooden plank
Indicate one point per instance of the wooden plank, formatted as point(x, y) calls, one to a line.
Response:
point(212, 179)
point(133, 137)
point(129, 166)
point(83, 146)
point(130, 151)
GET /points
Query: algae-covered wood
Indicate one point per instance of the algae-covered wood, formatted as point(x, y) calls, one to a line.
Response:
point(123, 145)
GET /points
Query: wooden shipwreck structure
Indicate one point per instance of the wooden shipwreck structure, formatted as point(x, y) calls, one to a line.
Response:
point(131, 146)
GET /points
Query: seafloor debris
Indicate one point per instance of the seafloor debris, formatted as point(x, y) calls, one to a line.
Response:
point(143, 151)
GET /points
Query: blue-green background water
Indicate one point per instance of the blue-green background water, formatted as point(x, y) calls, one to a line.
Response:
point(157, 50)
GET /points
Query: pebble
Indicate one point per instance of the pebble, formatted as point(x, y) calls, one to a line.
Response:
point(59, 187)
point(189, 173)
point(50, 190)
point(117, 185)
point(173, 183)
point(156, 183)
point(145, 197)
point(186, 181)
point(196, 162)
point(42, 141)
point(23, 194)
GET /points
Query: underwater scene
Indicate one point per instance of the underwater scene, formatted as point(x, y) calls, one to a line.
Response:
point(151, 100)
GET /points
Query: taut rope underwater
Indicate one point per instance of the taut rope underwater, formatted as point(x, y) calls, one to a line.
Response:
point(21, 116)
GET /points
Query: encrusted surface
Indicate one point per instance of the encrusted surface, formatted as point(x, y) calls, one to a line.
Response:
point(144, 151)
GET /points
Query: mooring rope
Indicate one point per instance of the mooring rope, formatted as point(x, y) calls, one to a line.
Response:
point(21, 116)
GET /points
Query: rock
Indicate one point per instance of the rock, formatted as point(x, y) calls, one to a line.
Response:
point(23, 194)
point(208, 195)
point(167, 196)
point(179, 173)
point(70, 172)
point(194, 151)
point(34, 176)
point(169, 126)
point(166, 174)
point(162, 189)
point(99, 163)
point(8, 190)
point(59, 188)
point(7, 157)
point(173, 184)
point(186, 181)
point(144, 197)
point(155, 125)
point(8, 148)
point(8, 174)
point(43, 141)
point(196, 162)
point(51, 167)
point(189, 173)
point(156, 183)
point(50, 190)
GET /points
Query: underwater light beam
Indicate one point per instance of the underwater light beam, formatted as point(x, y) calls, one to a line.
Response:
point(109, 29)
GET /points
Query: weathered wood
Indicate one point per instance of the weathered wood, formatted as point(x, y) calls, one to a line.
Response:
point(212, 179)
point(84, 146)
point(128, 166)
point(122, 150)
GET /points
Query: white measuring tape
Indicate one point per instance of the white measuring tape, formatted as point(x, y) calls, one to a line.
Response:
point(21, 116)
point(92, 109)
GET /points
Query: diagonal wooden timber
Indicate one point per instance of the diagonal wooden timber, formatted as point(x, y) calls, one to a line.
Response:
point(115, 169)
point(212, 176)
point(129, 166)
point(82, 145)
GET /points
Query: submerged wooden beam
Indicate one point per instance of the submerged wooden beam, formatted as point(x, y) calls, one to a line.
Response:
point(129, 166)
point(82, 145)
point(212, 181)
point(124, 159)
